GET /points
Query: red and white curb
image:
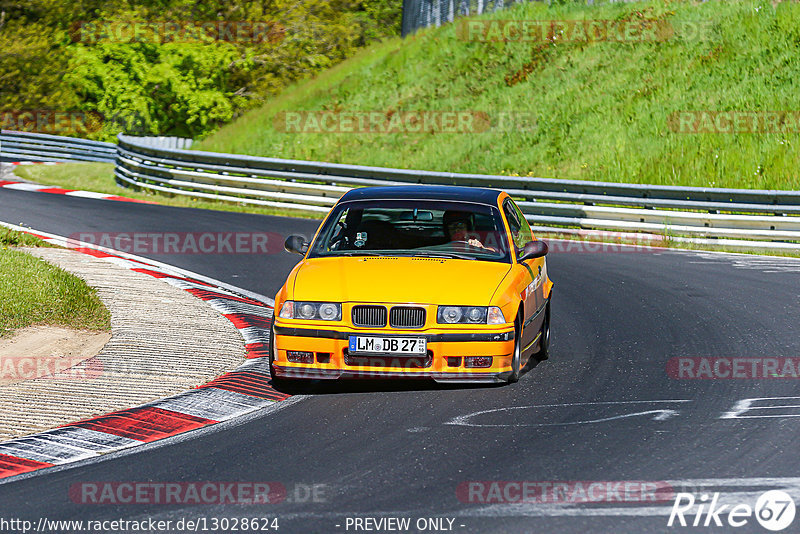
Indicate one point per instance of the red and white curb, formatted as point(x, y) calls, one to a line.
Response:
point(233, 394)
point(23, 186)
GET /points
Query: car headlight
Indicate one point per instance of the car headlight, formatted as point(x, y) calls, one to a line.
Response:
point(470, 315)
point(323, 311)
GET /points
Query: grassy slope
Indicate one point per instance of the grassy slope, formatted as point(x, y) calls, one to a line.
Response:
point(33, 291)
point(601, 108)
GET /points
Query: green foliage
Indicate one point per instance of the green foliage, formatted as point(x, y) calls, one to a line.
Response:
point(27, 77)
point(149, 89)
point(49, 58)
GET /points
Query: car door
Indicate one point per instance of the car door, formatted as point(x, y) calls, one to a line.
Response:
point(529, 280)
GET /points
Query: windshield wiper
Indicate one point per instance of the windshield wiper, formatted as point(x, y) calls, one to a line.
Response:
point(361, 253)
point(444, 255)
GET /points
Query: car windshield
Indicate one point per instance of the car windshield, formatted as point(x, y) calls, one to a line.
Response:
point(414, 228)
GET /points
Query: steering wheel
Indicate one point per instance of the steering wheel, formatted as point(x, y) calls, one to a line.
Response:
point(340, 236)
point(462, 243)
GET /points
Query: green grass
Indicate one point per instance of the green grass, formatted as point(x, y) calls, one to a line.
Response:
point(13, 238)
point(99, 177)
point(34, 292)
point(601, 109)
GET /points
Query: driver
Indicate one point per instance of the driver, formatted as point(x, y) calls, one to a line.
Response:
point(460, 226)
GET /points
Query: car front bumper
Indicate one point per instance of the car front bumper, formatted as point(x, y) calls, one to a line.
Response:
point(445, 361)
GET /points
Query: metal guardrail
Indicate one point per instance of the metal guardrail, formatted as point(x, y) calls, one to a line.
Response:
point(755, 218)
point(27, 146)
point(161, 141)
point(766, 215)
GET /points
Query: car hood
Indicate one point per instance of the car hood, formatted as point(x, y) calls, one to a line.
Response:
point(399, 279)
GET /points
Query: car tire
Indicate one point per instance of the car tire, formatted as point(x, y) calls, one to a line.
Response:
point(544, 344)
point(516, 359)
point(272, 373)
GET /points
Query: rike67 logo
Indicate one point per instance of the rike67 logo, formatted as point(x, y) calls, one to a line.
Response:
point(774, 510)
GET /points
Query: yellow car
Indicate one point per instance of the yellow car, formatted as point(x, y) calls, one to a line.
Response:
point(437, 282)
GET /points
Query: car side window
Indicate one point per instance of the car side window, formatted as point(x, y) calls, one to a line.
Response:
point(520, 229)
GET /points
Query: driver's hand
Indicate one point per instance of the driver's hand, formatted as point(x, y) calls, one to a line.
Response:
point(475, 243)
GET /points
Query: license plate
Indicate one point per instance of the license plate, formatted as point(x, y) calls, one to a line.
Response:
point(387, 345)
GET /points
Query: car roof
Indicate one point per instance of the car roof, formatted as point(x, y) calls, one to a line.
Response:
point(479, 195)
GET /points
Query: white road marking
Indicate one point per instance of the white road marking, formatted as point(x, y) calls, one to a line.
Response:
point(228, 307)
point(87, 439)
point(747, 405)
point(129, 264)
point(87, 194)
point(212, 403)
point(50, 452)
point(765, 264)
point(661, 414)
point(27, 187)
point(185, 284)
point(252, 334)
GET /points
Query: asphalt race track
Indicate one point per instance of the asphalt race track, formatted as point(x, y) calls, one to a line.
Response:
point(602, 408)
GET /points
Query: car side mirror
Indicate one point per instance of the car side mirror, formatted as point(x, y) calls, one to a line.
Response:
point(296, 244)
point(533, 249)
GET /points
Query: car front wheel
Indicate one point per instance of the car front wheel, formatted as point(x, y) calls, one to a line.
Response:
point(272, 373)
point(517, 356)
point(544, 339)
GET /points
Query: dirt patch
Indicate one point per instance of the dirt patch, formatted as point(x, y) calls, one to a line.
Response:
point(50, 352)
